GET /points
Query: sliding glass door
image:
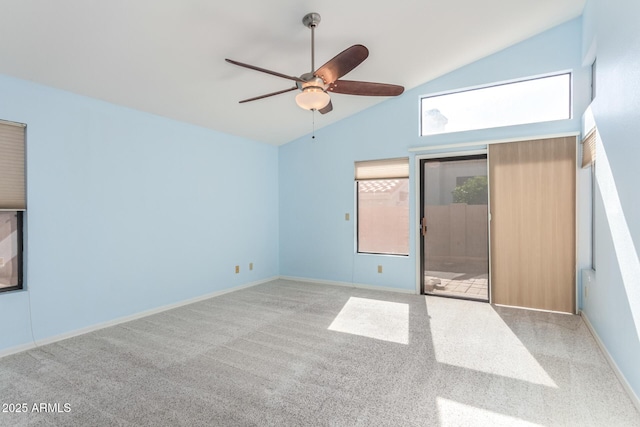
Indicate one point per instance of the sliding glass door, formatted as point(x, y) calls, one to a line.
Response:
point(454, 224)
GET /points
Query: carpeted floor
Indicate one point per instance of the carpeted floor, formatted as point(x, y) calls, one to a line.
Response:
point(292, 354)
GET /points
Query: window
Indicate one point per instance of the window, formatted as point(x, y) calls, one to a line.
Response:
point(593, 79)
point(12, 204)
point(382, 188)
point(589, 160)
point(528, 101)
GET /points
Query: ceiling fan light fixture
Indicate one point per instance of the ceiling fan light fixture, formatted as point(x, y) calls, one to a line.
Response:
point(313, 85)
point(312, 98)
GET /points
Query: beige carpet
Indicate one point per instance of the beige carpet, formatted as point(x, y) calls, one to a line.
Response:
point(288, 353)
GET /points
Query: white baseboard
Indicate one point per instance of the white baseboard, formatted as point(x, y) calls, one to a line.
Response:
point(623, 381)
point(124, 319)
point(348, 284)
point(17, 349)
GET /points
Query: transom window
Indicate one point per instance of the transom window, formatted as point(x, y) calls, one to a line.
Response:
point(533, 100)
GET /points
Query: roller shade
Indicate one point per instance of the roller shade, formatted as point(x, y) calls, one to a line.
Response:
point(589, 148)
point(12, 178)
point(382, 169)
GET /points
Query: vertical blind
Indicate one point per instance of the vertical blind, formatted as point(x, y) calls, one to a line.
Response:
point(12, 178)
point(382, 169)
point(589, 148)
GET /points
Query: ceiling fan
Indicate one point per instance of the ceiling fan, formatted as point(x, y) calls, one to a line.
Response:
point(315, 85)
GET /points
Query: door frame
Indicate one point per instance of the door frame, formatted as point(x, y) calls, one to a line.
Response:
point(419, 207)
point(478, 147)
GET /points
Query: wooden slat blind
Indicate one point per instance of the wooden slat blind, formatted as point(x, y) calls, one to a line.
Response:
point(12, 160)
point(382, 169)
point(589, 148)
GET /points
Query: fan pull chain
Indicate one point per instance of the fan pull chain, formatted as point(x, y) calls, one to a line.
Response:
point(313, 132)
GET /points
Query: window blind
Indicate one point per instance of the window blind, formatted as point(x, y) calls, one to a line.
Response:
point(382, 169)
point(589, 148)
point(12, 178)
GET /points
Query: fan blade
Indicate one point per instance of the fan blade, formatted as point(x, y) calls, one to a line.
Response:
point(342, 63)
point(268, 95)
point(350, 87)
point(326, 109)
point(263, 70)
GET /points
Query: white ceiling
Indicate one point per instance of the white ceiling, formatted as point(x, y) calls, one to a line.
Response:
point(167, 56)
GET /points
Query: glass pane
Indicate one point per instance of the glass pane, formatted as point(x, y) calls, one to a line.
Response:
point(456, 246)
point(383, 216)
point(530, 101)
point(9, 267)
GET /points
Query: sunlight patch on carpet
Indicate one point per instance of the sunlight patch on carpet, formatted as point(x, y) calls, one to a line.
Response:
point(453, 413)
point(489, 345)
point(381, 320)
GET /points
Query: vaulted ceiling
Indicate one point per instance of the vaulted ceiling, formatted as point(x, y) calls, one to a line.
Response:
point(166, 57)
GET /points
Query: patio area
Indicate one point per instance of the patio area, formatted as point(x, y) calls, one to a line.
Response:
point(457, 285)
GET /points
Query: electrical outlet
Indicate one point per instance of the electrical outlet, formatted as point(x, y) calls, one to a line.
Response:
point(250, 266)
point(586, 291)
point(237, 269)
point(379, 269)
point(346, 217)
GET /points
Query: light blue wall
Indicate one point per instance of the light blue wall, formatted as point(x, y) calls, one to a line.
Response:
point(316, 176)
point(128, 211)
point(613, 303)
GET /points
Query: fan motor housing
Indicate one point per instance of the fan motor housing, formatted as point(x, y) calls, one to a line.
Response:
point(311, 81)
